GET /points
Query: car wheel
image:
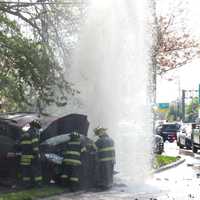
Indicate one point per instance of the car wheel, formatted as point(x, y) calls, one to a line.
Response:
point(181, 146)
point(188, 148)
point(188, 145)
point(194, 149)
point(178, 142)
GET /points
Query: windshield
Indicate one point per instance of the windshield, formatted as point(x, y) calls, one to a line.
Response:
point(170, 127)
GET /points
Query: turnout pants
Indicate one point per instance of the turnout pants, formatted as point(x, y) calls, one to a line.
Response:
point(71, 176)
point(30, 171)
point(104, 174)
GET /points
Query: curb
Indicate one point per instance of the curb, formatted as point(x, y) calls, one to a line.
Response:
point(178, 162)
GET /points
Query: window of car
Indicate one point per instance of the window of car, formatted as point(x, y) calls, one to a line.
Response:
point(187, 128)
point(170, 127)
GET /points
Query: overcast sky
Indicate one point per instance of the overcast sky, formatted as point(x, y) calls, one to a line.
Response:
point(187, 77)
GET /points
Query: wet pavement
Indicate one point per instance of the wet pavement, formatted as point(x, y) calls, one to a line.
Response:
point(178, 183)
point(181, 182)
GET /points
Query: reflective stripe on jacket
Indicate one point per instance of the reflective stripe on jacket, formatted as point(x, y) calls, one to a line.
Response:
point(29, 146)
point(26, 159)
point(105, 149)
point(72, 155)
point(26, 144)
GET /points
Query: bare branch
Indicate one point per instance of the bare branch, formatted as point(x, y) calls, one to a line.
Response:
point(18, 14)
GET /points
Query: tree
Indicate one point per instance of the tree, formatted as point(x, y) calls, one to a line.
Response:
point(54, 22)
point(171, 115)
point(192, 109)
point(174, 113)
point(176, 46)
point(34, 61)
point(29, 75)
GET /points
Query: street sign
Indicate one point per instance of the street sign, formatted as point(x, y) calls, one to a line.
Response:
point(163, 107)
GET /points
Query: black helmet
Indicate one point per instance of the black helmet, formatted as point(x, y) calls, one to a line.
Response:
point(74, 135)
point(35, 123)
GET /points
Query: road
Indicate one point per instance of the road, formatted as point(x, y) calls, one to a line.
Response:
point(181, 182)
point(178, 183)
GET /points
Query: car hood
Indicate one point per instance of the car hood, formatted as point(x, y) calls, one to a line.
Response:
point(11, 126)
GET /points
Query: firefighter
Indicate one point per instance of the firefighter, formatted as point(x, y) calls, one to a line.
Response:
point(88, 165)
point(30, 158)
point(72, 162)
point(105, 159)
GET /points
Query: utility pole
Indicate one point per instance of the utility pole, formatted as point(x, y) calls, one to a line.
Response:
point(155, 31)
point(179, 97)
point(183, 105)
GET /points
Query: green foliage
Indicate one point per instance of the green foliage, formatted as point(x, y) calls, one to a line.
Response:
point(174, 113)
point(32, 193)
point(192, 110)
point(161, 160)
point(29, 74)
point(171, 114)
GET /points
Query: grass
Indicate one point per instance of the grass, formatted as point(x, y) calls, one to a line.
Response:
point(32, 194)
point(161, 160)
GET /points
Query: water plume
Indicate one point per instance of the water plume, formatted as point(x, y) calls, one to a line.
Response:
point(111, 70)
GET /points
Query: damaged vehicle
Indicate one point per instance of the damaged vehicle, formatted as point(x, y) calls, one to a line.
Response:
point(53, 137)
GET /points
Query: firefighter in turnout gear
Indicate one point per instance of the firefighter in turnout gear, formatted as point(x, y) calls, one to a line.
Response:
point(105, 159)
point(72, 162)
point(30, 159)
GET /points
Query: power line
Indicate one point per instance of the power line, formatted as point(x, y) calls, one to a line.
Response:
point(38, 3)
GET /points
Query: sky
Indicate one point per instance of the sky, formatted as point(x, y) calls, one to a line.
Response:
point(187, 77)
point(169, 86)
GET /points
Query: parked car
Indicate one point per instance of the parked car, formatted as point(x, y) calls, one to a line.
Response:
point(158, 144)
point(184, 136)
point(168, 131)
point(195, 138)
point(53, 135)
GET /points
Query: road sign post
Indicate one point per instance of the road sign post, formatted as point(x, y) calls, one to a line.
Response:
point(199, 93)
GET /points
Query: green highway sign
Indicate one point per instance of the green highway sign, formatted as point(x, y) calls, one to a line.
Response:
point(163, 105)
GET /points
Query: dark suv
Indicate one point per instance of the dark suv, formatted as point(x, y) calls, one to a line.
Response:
point(169, 131)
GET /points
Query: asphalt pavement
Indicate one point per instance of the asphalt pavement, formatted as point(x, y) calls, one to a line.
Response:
point(177, 183)
point(181, 182)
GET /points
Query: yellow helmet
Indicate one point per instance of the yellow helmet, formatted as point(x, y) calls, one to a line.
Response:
point(100, 131)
